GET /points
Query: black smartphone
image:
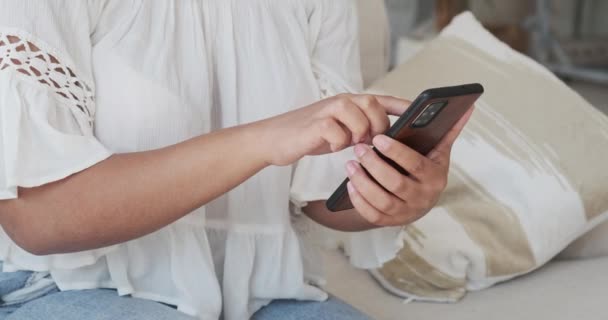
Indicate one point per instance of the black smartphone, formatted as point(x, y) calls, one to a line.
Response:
point(430, 116)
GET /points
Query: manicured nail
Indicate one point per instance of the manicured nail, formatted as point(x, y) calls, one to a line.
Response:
point(351, 168)
point(360, 150)
point(381, 142)
point(350, 187)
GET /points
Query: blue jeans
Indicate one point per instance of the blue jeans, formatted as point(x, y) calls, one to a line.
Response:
point(49, 303)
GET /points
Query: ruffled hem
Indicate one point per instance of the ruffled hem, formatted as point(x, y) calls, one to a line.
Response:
point(371, 249)
point(176, 266)
point(366, 250)
point(14, 258)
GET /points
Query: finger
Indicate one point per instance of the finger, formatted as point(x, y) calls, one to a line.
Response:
point(366, 210)
point(393, 105)
point(334, 134)
point(372, 192)
point(351, 116)
point(374, 112)
point(441, 152)
point(407, 158)
point(387, 176)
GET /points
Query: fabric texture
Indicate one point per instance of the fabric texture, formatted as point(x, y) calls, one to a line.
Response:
point(331, 309)
point(104, 304)
point(87, 79)
point(527, 175)
point(47, 302)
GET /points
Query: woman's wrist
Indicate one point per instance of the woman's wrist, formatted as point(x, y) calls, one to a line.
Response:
point(347, 220)
point(261, 141)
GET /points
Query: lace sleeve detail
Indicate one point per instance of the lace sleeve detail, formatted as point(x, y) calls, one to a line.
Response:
point(27, 58)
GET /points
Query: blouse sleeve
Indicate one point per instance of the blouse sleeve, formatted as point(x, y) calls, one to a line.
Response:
point(336, 64)
point(47, 105)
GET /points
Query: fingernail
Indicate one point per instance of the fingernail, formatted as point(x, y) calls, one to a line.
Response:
point(360, 150)
point(350, 168)
point(381, 142)
point(350, 187)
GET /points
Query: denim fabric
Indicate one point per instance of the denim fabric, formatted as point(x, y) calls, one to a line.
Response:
point(106, 304)
point(98, 304)
point(12, 281)
point(332, 309)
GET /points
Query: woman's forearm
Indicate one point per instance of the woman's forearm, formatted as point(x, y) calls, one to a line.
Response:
point(129, 195)
point(347, 220)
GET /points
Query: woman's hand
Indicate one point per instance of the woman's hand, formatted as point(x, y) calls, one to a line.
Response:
point(408, 197)
point(327, 126)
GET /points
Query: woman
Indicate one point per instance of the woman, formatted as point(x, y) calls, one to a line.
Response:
point(150, 149)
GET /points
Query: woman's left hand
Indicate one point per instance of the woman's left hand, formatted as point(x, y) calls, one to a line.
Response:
point(408, 197)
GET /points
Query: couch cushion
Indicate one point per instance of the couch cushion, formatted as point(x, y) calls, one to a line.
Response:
point(559, 291)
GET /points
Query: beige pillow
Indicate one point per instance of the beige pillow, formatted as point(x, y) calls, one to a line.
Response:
point(528, 174)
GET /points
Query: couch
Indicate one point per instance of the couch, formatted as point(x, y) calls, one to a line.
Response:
point(566, 288)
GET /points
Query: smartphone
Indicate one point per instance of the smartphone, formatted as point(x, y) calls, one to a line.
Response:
point(430, 116)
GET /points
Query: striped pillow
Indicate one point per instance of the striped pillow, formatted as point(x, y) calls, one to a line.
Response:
point(528, 174)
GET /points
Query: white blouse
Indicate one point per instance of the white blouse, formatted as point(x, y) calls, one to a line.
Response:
point(81, 80)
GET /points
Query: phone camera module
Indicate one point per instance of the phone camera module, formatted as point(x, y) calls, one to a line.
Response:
point(428, 114)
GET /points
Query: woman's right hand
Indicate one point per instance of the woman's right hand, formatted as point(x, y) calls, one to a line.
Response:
point(328, 125)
